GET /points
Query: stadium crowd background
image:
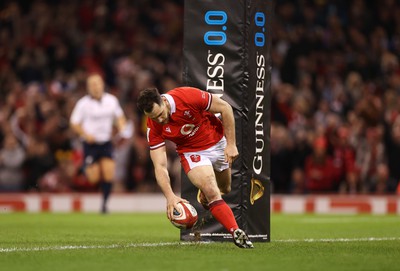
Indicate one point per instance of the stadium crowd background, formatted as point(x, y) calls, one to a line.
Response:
point(335, 90)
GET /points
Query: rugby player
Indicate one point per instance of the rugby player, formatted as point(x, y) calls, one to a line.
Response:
point(206, 146)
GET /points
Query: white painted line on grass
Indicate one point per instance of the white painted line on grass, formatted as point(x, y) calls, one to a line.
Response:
point(339, 240)
point(28, 249)
point(340, 220)
point(141, 245)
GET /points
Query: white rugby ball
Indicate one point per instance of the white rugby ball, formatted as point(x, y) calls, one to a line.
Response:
point(185, 217)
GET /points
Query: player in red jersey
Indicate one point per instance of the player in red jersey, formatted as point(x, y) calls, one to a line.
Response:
point(205, 144)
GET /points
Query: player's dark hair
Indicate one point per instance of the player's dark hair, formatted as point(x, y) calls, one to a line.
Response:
point(147, 98)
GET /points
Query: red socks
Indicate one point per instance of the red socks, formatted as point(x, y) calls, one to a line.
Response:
point(223, 214)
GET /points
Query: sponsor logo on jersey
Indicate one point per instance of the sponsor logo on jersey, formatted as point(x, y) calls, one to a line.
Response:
point(187, 129)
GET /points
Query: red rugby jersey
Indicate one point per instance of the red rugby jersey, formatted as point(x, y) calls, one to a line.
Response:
point(191, 127)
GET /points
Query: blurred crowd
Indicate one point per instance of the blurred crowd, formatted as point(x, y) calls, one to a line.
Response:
point(335, 107)
point(47, 48)
point(336, 97)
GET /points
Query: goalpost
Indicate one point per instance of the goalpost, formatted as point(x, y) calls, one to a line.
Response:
point(226, 51)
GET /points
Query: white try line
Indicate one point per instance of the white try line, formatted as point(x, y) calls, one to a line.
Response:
point(53, 248)
point(141, 245)
point(338, 240)
point(343, 220)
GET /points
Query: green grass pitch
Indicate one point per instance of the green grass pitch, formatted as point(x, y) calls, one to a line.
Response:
point(149, 242)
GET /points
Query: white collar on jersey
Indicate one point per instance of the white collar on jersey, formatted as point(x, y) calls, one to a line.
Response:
point(171, 102)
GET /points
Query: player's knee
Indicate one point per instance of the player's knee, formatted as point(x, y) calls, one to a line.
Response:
point(213, 196)
point(211, 192)
point(107, 168)
point(92, 176)
point(226, 189)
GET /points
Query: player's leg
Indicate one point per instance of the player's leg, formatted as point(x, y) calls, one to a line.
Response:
point(203, 177)
point(91, 165)
point(224, 185)
point(200, 168)
point(223, 180)
point(107, 166)
point(222, 171)
point(92, 172)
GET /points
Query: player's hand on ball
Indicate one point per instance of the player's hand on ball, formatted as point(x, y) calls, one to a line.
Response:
point(172, 203)
point(185, 217)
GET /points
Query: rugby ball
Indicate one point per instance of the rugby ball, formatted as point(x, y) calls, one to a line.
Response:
point(185, 217)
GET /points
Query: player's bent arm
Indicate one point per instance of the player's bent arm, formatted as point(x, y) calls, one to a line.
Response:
point(159, 158)
point(228, 121)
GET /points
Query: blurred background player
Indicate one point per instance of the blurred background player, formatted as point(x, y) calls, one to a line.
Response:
point(206, 146)
point(93, 118)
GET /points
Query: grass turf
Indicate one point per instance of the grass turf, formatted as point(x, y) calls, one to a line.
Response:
point(150, 242)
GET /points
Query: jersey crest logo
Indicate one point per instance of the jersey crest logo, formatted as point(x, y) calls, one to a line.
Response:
point(168, 129)
point(187, 114)
point(195, 158)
